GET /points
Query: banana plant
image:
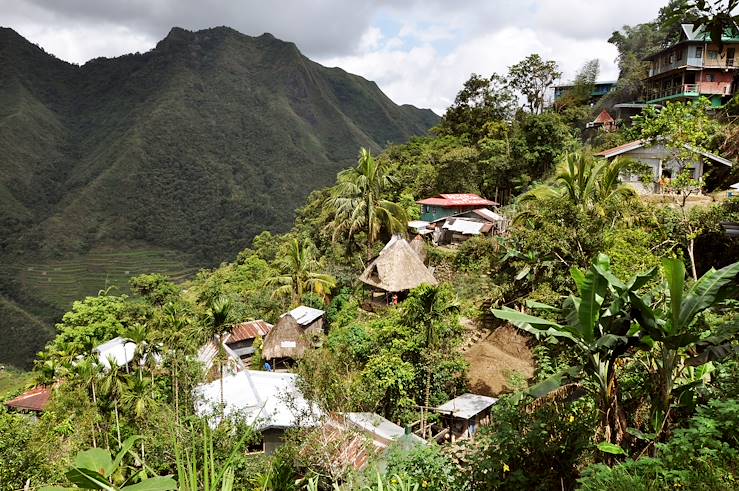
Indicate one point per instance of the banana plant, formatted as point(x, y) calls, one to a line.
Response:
point(674, 345)
point(96, 469)
point(598, 324)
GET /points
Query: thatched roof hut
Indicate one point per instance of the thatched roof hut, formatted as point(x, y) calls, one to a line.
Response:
point(419, 247)
point(397, 268)
point(289, 338)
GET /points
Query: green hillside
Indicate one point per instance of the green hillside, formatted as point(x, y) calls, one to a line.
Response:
point(188, 150)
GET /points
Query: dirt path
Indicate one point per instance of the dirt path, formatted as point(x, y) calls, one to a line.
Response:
point(495, 357)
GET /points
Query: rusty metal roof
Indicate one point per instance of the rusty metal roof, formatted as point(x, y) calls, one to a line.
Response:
point(34, 400)
point(248, 330)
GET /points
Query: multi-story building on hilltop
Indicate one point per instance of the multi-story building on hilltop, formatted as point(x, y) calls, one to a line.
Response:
point(694, 67)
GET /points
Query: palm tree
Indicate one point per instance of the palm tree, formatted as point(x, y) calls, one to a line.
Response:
point(89, 373)
point(299, 274)
point(217, 315)
point(585, 182)
point(426, 307)
point(359, 204)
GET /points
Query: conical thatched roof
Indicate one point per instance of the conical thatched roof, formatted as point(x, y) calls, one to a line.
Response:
point(286, 340)
point(398, 268)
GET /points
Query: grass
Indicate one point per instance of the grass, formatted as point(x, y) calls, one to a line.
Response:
point(12, 380)
point(60, 282)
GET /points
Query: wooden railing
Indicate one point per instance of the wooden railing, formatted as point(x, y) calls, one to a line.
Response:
point(687, 89)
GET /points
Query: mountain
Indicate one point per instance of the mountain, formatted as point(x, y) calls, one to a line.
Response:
point(171, 159)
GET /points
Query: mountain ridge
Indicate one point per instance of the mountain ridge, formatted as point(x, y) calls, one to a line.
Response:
point(194, 146)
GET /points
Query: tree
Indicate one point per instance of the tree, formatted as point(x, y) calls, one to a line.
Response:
point(532, 77)
point(716, 18)
point(481, 101)
point(216, 326)
point(427, 307)
point(583, 86)
point(668, 334)
point(598, 325)
point(299, 273)
point(359, 203)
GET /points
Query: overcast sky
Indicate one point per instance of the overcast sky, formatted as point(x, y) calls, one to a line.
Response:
point(419, 52)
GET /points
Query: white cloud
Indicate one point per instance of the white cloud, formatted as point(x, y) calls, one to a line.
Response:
point(419, 52)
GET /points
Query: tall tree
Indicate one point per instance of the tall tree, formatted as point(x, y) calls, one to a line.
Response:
point(299, 273)
point(359, 203)
point(532, 77)
point(216, 326)
point(480, 102)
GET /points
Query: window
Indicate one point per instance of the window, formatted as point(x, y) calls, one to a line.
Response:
point(699, 52)
point(680, 54)
point(671, 59)
point(712, 55)
point(710, 77)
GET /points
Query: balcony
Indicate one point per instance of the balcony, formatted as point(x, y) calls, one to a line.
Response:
point(675, 92)
point(693, 63)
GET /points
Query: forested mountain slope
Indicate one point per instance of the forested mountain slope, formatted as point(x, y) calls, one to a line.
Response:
point(193, 147)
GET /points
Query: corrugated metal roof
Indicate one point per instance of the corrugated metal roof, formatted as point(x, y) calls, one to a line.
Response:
point(604, 117)
point(34, 400)
point(248, 330)
point(117, 349)
point(464, 226)
point(209, 351)
point(628, 147)
point(306, 315)
point(451, 200)
point(265, 399)
point(466, 405)
point(377, 425)
point(489, 215)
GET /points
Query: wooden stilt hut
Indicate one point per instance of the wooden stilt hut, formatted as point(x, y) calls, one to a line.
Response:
point(397, 269)
point(298, 330)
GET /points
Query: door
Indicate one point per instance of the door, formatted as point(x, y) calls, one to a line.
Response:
point(730, 52)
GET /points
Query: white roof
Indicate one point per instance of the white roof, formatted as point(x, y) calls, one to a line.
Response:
point(208, 353)
point(418, 224)
point(306, 315)
point(467, 405)
point(117, 349)
point(735, 186)
point(489, 215)
point(464, 226)
point(376, 424)
point(265, 399)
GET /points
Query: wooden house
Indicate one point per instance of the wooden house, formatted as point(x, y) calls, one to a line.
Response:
point(463, 226)
point(465, 414)
point(300, 329)
point(242, 336)
point(444, 205)
point(662, 162)
point(604, 121)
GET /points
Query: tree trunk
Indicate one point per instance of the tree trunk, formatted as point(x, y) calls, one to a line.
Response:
point(117, 423)
point(426, 401)
point(176, 393)
point(691, 253)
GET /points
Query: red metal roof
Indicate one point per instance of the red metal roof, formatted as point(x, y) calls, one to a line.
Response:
point(612, 152)
point(453, 200)
point(604, 117)
point(34, 400)
point(248, 330)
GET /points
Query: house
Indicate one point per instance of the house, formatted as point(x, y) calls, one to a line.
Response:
point(693, 67)
point(33, 401)
point(599, 90)
point(398, 268)
point(118, 350)
point(241, 338)
point(270, 402)
point(465, 414)
point(300, 329)
point(463, 226)
point(444, 205)
point(662, 162)
point(354, 438)
point(604, 122)
point(208, 356)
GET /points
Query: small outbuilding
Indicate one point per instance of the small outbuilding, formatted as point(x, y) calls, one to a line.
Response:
point(297, 331)
point(463, 226)
point(242, 336)
point(465, 414)
point(208, 356)
point(398, 268)
point(604, 122)
point(118, 350)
